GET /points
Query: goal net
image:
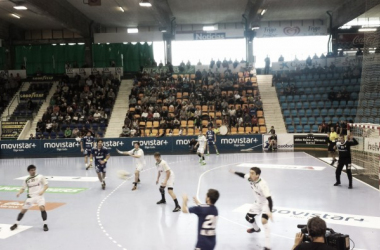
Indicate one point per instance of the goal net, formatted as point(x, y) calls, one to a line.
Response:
point(366, 154)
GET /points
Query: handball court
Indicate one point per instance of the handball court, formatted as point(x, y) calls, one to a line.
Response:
point(83, 216)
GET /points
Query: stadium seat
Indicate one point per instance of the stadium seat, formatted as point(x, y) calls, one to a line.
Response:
point(294, 113)
point(292, 105)
point(289, 98)
point(335, 104)
point(248, 130)
point(296, 98)
point(309, 112)
point(233, 131)
point(323, 112)
point(339, 112)
point(291, 129)
point(282, 99)
point(255, 130)
point(314, 128)
point(374, 112)
point(299, 105)
point(241, 130)
point(303, 97)
point(296, 120)
point(313, 105)
point(288, 121)
point(299, 129)
point(319, 120)
point(305, 105)
point(284, 106)
point(303, 120)
point(350, 104)
point(286, 113)
point(320, 104)
point(346, 111)
point(306, 129)
point(311, 121)
point(316, 112)
point(331, 112)
point(301, 112)
point(334, 119)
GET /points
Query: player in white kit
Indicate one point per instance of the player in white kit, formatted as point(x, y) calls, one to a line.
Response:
point(201, 142)
point(263, 204)
point(166, 177)
point(36, 186)
point(138, 154)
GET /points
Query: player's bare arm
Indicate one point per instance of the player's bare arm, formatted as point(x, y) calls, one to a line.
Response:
point(196, 201)
point(105, 160)
point(81, 146)
point(20, 192)
point(123, 152)
point(44, 190)
point(184, 204)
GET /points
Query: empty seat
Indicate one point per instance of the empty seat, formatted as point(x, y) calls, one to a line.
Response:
point(306, 129)
point(286, 113)
point(311, 121)
point(299, 129)
point(331, 112)
point(291, 129)
point(316, 112)
point(288, 121)
point(303, 120)
point(296, 120)
point(294, 113)
point(313, 105)
point(292, 105)
point(305, 105)
point(309, 112)
point(339, 112)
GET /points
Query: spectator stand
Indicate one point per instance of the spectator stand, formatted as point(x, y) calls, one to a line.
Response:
point(184, 104)
point(308, 98)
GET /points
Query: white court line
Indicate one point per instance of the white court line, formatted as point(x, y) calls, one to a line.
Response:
point(334, 168)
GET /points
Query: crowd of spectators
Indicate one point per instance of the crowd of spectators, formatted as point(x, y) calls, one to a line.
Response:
point(79, 105)
point(181, 104)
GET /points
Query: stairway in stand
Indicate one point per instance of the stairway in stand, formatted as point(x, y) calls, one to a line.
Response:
point(119, 110)
point(42, 110)
point(272, 109)
point(13, 105)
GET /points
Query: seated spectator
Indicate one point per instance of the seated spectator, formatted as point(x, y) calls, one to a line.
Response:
point(49, 126)
point(254, 121)
point(97, 116)
point(31, 137)
point(247, 120)
point(272, 131)
point(156, 115)
point(144, 115)
point(126, 132)
point(75, 133)
point(133, 132)
point(323, 127)
point(68, 132)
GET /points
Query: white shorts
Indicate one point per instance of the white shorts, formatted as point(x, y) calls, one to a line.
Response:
point(259, 208)
point(170, 183)
point(139, 167)
point(39, 200)
point(201, 150)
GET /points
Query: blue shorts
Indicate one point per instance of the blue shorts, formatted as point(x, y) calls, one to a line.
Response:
point(211, 142)
point(101, 168)
point(87, 152)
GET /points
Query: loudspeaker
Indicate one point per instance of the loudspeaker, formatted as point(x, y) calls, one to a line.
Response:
point(94, 2)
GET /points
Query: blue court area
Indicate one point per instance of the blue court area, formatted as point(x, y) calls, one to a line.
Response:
point(83, 216)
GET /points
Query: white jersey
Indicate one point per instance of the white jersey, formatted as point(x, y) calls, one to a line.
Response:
point(141, 160)
point(162, 167)
point(202, 141)
point(259, 188)
point(34, 185)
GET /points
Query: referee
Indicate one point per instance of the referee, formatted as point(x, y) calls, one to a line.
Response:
point(344, 149)
point(333, 136)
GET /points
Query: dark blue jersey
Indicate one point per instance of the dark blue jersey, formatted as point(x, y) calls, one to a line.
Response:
point(210, 135)
point(99, 155)
point(208, 216)
point(88, 142)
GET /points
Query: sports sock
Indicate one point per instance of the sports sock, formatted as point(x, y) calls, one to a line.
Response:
point(44, 216)
point(19, 217)
point(203, 158)
point(255, 226)
point(267, 235)
point(176, 202)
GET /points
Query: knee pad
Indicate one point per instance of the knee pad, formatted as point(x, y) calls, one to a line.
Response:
point(162, 190)
point(170, 189)
point(265, 216)
point(250, 218)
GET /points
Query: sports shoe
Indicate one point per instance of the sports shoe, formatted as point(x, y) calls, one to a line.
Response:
point(217, 153)
point(138, 180)
point(208, 154)
point(337, 184)
point(332, 163)
point(88, 166)
point(134, 188)
point(252, 230)
point(13, 227)
point(350, 187)
point(177, 209)
point(103, 185)
point(46, 228)
point(203, 163)
point(200, 160)
point(265, 248)
point(161, 202)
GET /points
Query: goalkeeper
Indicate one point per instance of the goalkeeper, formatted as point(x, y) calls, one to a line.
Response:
point(344, 148)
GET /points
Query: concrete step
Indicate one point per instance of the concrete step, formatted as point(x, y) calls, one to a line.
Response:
point(41, 111)
point(13, 104)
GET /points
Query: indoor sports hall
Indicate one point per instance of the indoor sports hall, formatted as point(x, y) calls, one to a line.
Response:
point(199, 125)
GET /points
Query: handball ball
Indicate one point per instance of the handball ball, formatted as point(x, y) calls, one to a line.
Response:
point(122, 174)
point(78, 139)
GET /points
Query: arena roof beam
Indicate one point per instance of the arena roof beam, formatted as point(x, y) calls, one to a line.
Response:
point(351, 9)
point(70, 17)
point(162, 13)
point(252, 11)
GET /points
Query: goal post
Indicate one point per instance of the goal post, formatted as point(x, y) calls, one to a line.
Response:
point(367, 153)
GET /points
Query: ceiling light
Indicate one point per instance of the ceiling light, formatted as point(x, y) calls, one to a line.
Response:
point(133, 30)
point(107, 43)
point(263, 11)
point(163, 30)
point(209, 28)
point(134, 43)
point(62, 44)
point(54, 44)
point(255, 28)
point(121, 8)
point(125, 43)
point(367, 29)
point(71, 43)
point(80, 43)
point(20, 7)
point(145, 3)
point(16, 16)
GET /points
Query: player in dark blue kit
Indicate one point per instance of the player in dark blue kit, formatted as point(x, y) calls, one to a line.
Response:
point(208, 216)
point(101, 156)
point(86, 145)
point(211, 140)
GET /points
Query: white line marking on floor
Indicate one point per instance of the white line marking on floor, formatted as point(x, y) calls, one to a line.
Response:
point(5, 231)
point(279, 166)
point(328, 160)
